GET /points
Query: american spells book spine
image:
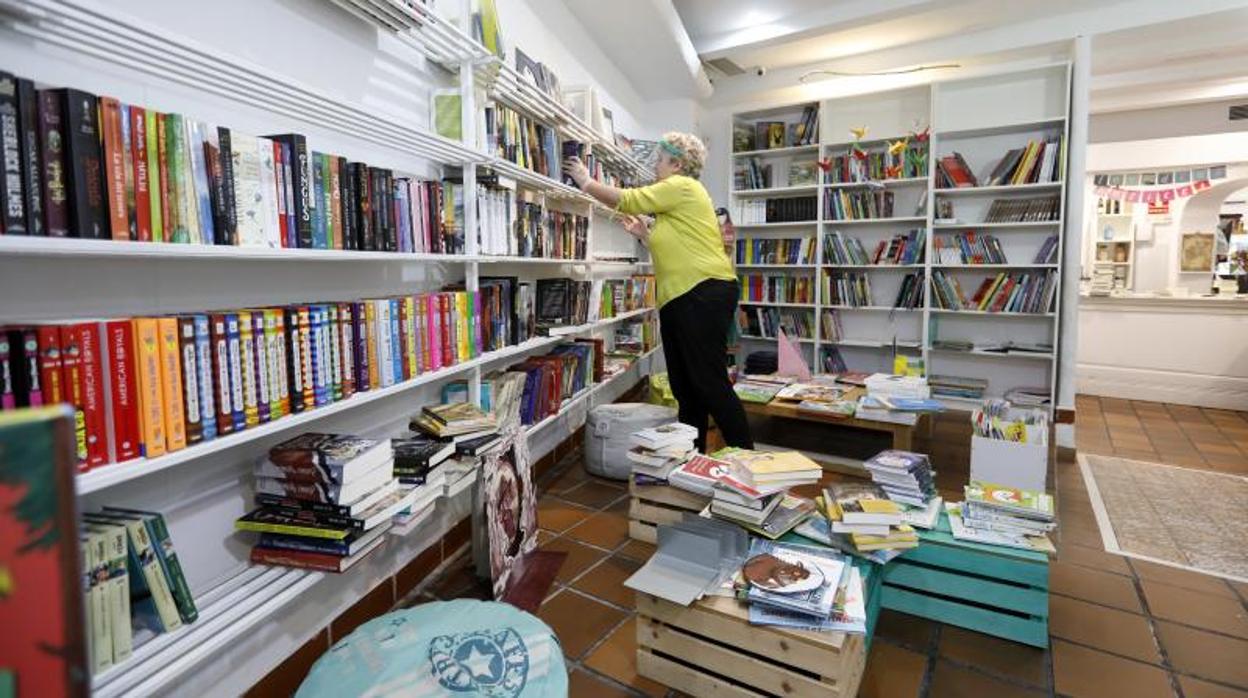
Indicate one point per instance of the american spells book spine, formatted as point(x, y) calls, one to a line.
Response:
point(301, 185)
point(190, 380)
point(123, 389)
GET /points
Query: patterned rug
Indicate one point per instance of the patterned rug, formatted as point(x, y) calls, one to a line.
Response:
point(1192, 519)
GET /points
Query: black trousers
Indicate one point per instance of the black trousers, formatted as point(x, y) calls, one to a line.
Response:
point(694, 328)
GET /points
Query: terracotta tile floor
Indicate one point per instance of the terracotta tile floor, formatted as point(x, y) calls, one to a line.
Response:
point(1119, 627)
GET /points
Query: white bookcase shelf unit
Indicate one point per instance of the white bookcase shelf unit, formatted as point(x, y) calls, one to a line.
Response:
point(980, 117)
point(100, 48)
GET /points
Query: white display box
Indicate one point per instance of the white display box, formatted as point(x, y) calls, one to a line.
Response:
point(1021, 465)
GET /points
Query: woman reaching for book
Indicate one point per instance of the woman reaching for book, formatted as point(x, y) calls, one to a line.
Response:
point(697, 288)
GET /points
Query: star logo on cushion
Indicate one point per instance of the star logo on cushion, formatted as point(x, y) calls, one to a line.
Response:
point(492, 663)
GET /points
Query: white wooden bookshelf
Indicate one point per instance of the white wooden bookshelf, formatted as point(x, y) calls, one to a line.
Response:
point(387, 56)
point(981, 117)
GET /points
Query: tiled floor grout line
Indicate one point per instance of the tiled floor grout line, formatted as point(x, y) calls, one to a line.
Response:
point(1152, 629)
point(1149, 615)
point(929, 671)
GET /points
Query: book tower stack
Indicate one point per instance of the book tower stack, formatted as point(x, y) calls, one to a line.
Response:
point(469, 429)
point(872, 521)
point(324, 501)
point(657, 450)
point(806, 587)
point(907, 479)
point(418, 465)
point(1000, 515)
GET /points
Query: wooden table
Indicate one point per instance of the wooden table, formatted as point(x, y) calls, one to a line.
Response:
point(902, 434)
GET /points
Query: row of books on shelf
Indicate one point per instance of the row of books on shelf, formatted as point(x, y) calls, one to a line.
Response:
point(851, 205)
point(831, 361)
point(777, 288)
point(599, 171)
point(1021, 210)
point(133, 584)
point(538, 231)
point(846, 288)
point(152, 385)
point(793, 209)
point(522, 140)
point(92, 167)
point(625, 295)
point(767, 135)
point(904, 248)
point(1037, 162)
point(775, 250)
point(1013, 292)
point(968, 248)
point(754, 173)
point(878, 166)
point(910, 295)
point(767, 322)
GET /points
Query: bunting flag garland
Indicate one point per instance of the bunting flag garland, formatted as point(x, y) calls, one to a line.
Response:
point(1152, 195)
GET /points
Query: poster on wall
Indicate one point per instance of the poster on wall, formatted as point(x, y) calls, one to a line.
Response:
point(1196, 252)
point(510, 507)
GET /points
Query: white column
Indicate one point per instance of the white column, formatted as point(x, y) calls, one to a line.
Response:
point(1076, 172)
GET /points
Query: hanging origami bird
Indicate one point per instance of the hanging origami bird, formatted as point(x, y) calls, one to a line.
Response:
point(898, 147)
point(858, 133)
point(825, 164)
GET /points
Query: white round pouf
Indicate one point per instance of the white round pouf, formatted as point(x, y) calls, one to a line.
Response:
point(607, 429)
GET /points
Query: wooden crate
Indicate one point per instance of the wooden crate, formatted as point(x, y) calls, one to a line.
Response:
point(652, 505)
point(710, 649)
point(993, 590)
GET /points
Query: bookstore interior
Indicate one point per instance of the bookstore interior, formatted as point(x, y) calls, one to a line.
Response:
point(523, 348)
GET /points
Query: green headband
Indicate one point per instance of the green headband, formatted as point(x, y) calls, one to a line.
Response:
point(671, 148)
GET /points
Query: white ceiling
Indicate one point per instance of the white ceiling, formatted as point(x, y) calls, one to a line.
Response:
point(1146, 52)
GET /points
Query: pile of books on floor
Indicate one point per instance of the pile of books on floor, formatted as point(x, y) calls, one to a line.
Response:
point(134, 587)
point(1007, 516)
point(907, 479)
point(656, 451)
point(324, 501)
point(800, 586)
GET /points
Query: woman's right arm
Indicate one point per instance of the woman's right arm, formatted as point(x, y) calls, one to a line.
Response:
point(659, 197)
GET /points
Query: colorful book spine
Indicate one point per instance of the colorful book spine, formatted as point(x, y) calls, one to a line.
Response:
point(123, 390)
point(320, 358)
point(273, 336)
point(55, 181)
point(127, 155)
point(204, 374)
point(260, 357)
point(171, 384)
point(335, 352)
point(190, 380)
point(396, 340)
point(346, 321)
point(91, 385)
point(151, 412)
point(294, 359)
point(114, 166)
point(411, 352)
point(218, 343)
point(238, 391)
point(371, 357)
point(50, 375)
point(247, 366)
point(84, 165)
point(307, 367)
point(28, 145)
point(359, 331)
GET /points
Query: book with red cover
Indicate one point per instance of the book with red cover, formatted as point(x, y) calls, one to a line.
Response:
point(1002, 295)
point(190, 379)
point(90, 377)
point(160, 179)
point(114, 167)
point(122, 390)
point(142, 181)
point(446, 321)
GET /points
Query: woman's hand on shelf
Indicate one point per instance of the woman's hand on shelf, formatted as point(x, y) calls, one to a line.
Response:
point(637, 226)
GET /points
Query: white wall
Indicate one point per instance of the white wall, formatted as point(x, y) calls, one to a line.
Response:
point(1166, 122)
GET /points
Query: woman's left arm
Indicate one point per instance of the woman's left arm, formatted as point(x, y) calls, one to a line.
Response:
point(607, 194)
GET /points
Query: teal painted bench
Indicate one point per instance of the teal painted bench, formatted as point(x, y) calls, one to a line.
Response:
point(989, 589)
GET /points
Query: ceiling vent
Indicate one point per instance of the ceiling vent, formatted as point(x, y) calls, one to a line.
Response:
point(725, 66)
point(1238, 112)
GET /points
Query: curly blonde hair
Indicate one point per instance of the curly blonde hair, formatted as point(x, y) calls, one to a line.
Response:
point(694, 152)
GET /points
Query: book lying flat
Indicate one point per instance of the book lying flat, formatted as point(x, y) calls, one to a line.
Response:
point(314, 561)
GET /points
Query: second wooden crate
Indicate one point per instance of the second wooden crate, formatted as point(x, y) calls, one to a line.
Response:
point(652, 505)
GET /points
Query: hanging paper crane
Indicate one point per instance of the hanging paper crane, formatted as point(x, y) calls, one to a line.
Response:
point(896, 159)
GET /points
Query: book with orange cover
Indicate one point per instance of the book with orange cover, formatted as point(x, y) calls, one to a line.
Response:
point(147, 370)
point(171, 384)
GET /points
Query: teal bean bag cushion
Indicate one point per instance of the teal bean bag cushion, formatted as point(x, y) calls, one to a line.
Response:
point(447, 648)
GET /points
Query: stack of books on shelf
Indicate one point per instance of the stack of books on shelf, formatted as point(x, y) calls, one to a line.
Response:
point(846, 288)
point(969, 248)
point(1014, 292)
point(751, 173)
point(1007, 516)
point(910, 295)
point(1032, 209)
point(879, 166)
point(851, 205)
point(957, 386)
point(767, 135)
point(562, 303)
point(617, 296)
point(792, 209)
point(134, 586)
point(656, 451)
point(149, 386)
point(830, 328)
point(541, 232)
point(324, 501)
point(776, 250)
point(418, 465)
point(521, 140)
point(1029, 396)
point(871, 520)
point(1047, 254)
point(455, 422)
point(906, 248)
point(553, 378)
point(108, 170)
point(907, 479)
point(952, 172)
point(1038, 161)
point(767, 322)
point(803, 587)
point(776, 288)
